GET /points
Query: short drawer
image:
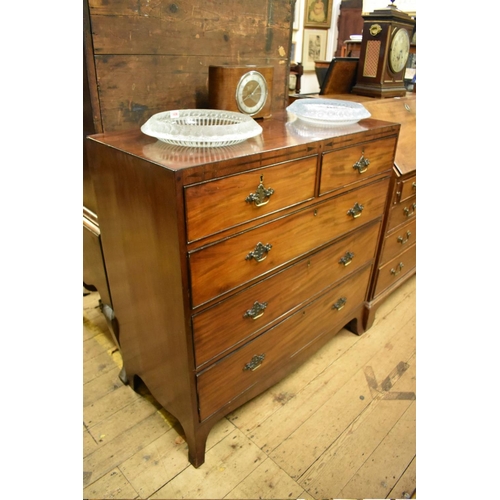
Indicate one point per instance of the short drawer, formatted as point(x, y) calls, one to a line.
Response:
point(345, 166)
point(399, 240)
point(406, 189)
point(219, 204)
point(243, 315)
point(223, 266)
point(402, 213)
point(396, 269)
point(249, 365)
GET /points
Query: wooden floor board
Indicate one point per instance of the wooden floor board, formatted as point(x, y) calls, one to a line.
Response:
point(340, 426)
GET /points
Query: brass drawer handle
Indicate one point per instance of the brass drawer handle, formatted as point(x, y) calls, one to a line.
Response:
point(346, 259)
point(414, 186)
point(339, 304)
point(410, 211)
point(362, 164)
point(261, 195)
point(356, 210)
point(257, 310)
point(402, 239)
point(398, 269)
point(255, 362)
point(260, 252)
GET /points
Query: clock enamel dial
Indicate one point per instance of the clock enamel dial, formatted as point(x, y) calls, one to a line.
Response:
point(399, 51)
point(251, 93)
point(245, 89)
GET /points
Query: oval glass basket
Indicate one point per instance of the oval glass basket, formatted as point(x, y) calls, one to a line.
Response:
point(328, 111)
point(201, 127)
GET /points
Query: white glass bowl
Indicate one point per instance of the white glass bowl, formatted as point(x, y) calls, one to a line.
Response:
point(201, 127)
point(328, 111)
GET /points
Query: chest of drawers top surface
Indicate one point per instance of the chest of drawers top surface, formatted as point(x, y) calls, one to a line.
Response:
point(282, 134)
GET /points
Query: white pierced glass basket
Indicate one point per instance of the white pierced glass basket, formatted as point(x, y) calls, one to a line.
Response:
point(201, 127)
point(328, 111)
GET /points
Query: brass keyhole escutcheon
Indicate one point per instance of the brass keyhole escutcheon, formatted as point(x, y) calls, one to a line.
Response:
point(261, 196)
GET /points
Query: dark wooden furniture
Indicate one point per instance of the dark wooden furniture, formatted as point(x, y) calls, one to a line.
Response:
point(350, 22)
point(298, 70)
point(396, 258)
point(340, 76)
point(148, 57)
point(351, 48)
point(229, 267)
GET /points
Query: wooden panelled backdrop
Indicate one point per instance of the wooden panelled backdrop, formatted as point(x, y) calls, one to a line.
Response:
point(146, 56)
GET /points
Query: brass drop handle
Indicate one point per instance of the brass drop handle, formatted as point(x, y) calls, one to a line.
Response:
point(254, 363)
point(402, 239)
point(398, 269)
point(355, 211)
point(261, 196)
point(346, 259)
point(260, 252)
point(256, 311)
point(414, 186)
point(362, 164)
point(340, 303)
point(410, 211)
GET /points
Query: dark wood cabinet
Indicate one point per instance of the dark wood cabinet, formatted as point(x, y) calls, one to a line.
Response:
point(217, 295)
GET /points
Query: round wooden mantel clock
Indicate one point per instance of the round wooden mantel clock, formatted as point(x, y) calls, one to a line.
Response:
point(245, 89)
point(384, 52)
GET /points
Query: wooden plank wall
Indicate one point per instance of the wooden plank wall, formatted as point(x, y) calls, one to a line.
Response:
point(153, 55)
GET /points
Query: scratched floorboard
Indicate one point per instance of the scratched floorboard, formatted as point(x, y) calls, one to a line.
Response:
point(341, 426)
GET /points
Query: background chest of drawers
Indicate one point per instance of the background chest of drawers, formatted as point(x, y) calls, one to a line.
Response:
point(229, 267)
point(396, 260)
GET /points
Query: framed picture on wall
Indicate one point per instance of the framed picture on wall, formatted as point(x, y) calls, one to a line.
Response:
point(313, 48)
point(318, 13)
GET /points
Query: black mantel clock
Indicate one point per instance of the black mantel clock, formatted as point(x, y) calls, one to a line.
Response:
point(384, 52)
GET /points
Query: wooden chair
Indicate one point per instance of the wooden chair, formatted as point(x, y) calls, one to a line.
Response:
point(340, 76)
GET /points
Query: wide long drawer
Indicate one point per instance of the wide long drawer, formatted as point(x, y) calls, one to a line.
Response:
point(250, 364)
point(227, 264)
point(243, 315)
point(345, 166)
point(396, 269)
point(219, 204)
point(397, 241)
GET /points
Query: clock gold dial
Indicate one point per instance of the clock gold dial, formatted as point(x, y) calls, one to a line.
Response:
point(399, 50)
point(251, 93)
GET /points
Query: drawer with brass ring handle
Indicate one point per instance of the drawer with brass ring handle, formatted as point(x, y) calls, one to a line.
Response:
point(410, 211)
point(340, 304)
point(403, 239)
point(346, 259)
point(254, 363)
point(261, 196)
point(356, 210)
point(362, 164)
point(256, 311)
point(260, 252)
point(398, 269)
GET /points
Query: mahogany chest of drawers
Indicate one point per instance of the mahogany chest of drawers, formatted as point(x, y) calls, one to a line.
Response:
point(228, 267)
